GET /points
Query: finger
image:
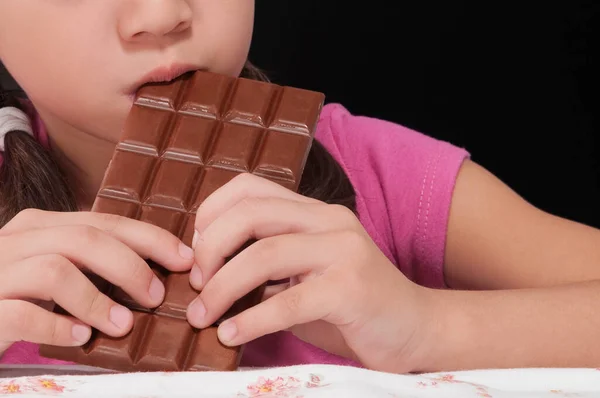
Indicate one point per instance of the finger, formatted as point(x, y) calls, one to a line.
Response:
point(23, 321)
point(149, 241)
point(95, 250)
point(300, 304)
point(53, 277)
point(273, 258)
point(241, 187)
point(260, 218)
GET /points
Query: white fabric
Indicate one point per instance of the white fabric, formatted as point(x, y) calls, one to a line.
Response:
point(13, 119)
point(312, 381)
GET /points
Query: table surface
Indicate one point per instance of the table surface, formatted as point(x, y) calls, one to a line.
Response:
point(306, 381)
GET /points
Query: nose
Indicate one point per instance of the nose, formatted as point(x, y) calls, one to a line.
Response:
point(153, 19)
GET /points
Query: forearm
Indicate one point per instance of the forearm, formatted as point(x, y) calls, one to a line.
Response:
point(550, 327)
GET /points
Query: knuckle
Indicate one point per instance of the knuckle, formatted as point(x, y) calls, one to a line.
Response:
point(56, 268)
point(26, 216)
point(54, 330)
point(158, 234)
point(109, 221)
point(162, 236)
point(246, 184)
point(94, 303)
point(342, 214)
point(264, 250)
point(291, 301)
point(87, 234)
point(17, 314)
point(155, 239)
point(244, 178)
point(30, 214)
point(138, 271)
point(250, 204)
point(249, 211)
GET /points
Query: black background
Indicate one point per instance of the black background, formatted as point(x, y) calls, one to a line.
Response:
point(513, 82)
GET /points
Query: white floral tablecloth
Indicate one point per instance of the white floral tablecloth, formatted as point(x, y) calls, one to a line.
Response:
point(307, 381)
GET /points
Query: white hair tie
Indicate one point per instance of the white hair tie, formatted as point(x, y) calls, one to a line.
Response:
point(13, 119)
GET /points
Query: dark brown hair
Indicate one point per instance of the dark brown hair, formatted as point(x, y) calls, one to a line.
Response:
point(30, 178)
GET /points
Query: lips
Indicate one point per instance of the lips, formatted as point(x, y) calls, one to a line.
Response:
point(162, 74)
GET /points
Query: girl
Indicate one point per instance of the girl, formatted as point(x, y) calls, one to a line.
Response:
point(403, 254)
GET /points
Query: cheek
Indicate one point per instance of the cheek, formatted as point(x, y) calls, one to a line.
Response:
point(230, 25)
point(47, 41)
point(104, 121)
point(72, 76)
point(65, 92)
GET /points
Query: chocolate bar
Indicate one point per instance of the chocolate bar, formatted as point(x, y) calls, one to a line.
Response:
point(182, 140)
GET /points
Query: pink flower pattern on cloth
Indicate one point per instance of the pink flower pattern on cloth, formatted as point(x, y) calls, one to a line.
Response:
point(306, 381)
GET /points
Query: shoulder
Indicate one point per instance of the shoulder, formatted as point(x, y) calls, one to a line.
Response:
point(360, 134)
point(404, 182)
point(373, 146)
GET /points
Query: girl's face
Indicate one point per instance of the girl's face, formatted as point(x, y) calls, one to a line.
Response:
point(80, 61)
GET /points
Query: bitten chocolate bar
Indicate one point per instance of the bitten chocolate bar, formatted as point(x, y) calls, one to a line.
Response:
point(182, 141)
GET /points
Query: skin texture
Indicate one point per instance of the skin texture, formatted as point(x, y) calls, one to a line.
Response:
point(497, 240)
point(523, 280)
point(89, 55)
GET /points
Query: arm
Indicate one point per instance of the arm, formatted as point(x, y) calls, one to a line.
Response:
point(549, 312)
point(496, 240)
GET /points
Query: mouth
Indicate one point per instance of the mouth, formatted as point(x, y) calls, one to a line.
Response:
point(161, 74)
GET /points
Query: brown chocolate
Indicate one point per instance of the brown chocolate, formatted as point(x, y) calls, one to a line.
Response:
point(182, 141)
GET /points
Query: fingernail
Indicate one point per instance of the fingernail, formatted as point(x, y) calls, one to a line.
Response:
point(196, 276)
point(185, 251)
point(120, 316)
point(227, 331)
point(156, 290)
point(80, 333)
point(195, 239)
point(197, 309)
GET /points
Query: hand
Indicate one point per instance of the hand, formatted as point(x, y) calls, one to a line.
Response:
point(344, 295)
point(42, 257)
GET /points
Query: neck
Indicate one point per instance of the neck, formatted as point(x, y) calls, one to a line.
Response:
point(83, 157)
